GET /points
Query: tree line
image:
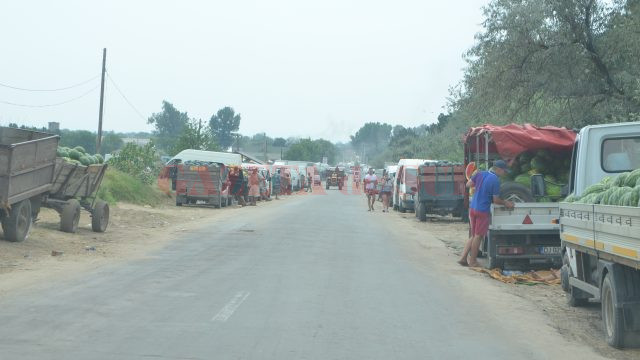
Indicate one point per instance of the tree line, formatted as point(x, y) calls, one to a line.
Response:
point(546, 62)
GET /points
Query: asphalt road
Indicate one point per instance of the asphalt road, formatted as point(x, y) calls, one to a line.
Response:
point(311, 277)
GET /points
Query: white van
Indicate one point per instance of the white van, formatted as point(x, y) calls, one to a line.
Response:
point(406, 178)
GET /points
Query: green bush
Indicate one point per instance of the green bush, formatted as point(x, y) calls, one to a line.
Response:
point(120, 187)
point(140, 162)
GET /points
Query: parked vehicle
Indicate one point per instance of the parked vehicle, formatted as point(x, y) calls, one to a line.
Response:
point(405, 181)
point(335, 177)
point(32, 177)
point(265, 172)
point(601, 243)
point(526, 235)
point(201, 181)
point(73, 188)
point(441, 189)
point(27, 164)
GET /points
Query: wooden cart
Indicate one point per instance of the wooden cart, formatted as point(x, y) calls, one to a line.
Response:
point(74, 188)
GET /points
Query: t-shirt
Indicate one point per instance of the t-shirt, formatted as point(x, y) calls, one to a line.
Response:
point(370, 180)
point(487, 185)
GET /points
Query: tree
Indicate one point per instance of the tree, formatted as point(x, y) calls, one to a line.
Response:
point(168, 123)
point(73, 138)
point(281, 143)
point(111, 142)
point(371, 138)
point(312, 151)
point(195, 136)
point(223, 126)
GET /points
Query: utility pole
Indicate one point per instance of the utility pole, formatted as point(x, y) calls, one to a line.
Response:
point(99, 139)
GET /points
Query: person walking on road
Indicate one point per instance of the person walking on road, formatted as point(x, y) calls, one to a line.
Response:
point(387, 187)
point(370, 185)
point(254, 186)
point(236, 178)
point(276, 184)
point(487, 185)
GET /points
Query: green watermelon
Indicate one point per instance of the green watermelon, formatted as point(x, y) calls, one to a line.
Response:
point(523, 179)
point(633, 178)
point(80, 149)
point(85, 160)
point(595, 188)
point(99, 158)
point(606, 194)
point(621, 180)
point(571, 198)
point(75, 154)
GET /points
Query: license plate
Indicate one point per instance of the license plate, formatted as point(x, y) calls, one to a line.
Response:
point(550, 250)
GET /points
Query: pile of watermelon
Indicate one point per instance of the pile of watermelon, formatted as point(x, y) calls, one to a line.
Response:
point(78, 156)
point(554, 166)
point(622, 190)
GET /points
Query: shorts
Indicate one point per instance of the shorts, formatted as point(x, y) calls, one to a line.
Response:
point(372, 191)
point(479, 222)
point(254, 190)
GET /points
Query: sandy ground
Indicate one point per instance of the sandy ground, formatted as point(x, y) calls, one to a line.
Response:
point(581, 325)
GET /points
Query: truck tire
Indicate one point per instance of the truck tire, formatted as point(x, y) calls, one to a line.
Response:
point(178, 201)
point(421, 211)
point(17, 224)
point(492, 259)
point(612, 316)
point(515, 192)
point(100, 216)
point(70, 216)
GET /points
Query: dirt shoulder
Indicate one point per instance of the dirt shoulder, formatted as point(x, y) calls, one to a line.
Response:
point(133, 231)
point(579, 325)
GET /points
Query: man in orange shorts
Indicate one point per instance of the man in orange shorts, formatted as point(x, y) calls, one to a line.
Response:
point(370, 186)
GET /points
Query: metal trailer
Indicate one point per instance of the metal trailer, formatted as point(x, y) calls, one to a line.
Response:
point(27, 162)
point(201, 182)
point(73, 188)
point(604, 266)
point(441, 190)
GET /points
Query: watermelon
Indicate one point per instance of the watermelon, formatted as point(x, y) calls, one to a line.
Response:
point(99, 158)
point(595, 188)
point(605, 196)
point(621, 180)
point(539, 164)
point(625, 199)
point(523, 179)
point(632, 178)
point(571, 198)
point(85, 160)
point(553, 190)
point(75, 154)
point(80, 149)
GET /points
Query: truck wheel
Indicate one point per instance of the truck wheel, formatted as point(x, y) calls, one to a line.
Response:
point(100, 216)
point(515, 192)
point(70, 216)
point(421, 210)
point(612, 316)
point(17, 225)
point(178, 201)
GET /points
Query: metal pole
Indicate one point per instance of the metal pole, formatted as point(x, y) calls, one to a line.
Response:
point(99, 139)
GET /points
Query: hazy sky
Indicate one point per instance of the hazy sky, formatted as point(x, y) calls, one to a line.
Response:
point(290, 67)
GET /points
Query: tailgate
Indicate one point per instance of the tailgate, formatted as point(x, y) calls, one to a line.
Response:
point(525, 217)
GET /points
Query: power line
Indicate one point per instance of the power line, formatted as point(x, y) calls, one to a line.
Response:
point(58, 89)
point(124, 97)
point(54, 104)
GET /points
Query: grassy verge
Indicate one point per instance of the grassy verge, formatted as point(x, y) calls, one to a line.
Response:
point(120, 187)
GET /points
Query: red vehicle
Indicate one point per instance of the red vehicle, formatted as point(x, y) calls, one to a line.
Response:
point(441, 190)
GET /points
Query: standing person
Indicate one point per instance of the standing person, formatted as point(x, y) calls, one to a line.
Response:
point(370, 184)
point(487, 185)
point(356, 178)
point(276, 184)
point(287, 183)
point(387, 188)
point(303, 180)
point(236, 178)
point(254, 186)
point(309, 182)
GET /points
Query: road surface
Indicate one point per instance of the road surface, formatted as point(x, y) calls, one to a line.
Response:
point(308, 277)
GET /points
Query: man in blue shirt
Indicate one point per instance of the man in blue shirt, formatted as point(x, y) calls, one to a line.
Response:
point(487, 185)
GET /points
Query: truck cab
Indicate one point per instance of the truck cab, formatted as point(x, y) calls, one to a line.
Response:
point(406, 181)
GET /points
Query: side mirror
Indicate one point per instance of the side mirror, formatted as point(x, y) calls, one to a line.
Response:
point(538, 188)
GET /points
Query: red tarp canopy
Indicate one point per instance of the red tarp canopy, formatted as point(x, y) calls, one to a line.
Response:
point(511, 140)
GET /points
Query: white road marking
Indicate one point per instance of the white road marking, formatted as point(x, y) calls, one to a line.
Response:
point(225, 313)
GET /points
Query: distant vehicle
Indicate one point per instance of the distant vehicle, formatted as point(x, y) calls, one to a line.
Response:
point(441, 189)
point(335, 177)
point(405, 183)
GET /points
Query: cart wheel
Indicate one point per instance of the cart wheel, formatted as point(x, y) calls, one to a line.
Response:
point(17, 225)
point(100, 216)
point(70, 216)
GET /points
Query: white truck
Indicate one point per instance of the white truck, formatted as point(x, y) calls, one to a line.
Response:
point(601, 243)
